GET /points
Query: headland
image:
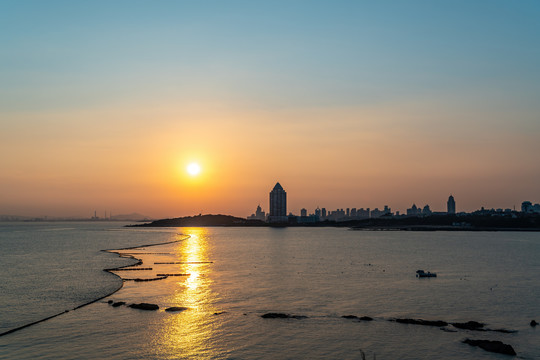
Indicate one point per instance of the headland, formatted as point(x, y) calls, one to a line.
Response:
point(468, 222)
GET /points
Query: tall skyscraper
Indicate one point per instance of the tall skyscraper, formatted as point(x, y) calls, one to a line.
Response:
point(451, 205)
point(278, 205)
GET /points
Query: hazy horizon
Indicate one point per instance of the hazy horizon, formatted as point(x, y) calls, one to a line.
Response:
point(347, 104)
point(101, 214)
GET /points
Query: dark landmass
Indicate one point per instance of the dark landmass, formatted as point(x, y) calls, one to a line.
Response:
point(468, 222)
point(203, 220)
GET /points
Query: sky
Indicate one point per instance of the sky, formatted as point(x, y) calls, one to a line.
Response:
point(103, 104)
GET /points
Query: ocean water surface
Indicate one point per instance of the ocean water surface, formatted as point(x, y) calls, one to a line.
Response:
point(226, 278)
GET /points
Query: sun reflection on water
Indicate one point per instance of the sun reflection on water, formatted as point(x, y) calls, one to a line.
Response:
point(189, 334)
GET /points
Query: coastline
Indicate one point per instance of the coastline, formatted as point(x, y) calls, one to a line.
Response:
point(429, 223)
point(110, 271)
point(442, 228)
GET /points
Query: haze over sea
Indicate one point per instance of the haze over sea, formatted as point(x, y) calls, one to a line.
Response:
point(238, 274)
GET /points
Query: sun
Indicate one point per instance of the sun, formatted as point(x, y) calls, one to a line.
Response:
point(193, 169)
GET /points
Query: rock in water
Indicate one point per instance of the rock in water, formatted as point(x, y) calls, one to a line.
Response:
point(354, 317)
point(176, 308)
point(492, 346)
point(504, 331)
point(533, 323)
point(282, 316)
point(275, 316)
point(438, 323)
point(144, 306)
point(119, 303)
point(470, 325)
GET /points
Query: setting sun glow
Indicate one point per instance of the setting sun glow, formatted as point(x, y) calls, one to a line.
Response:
point(193, 169)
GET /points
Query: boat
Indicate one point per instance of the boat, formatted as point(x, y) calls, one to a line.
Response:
point(423, 274)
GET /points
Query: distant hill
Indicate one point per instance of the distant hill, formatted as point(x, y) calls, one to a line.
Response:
point(203, 220)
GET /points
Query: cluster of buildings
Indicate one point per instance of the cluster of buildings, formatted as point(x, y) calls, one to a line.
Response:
point(528, 208)
point(278, 211)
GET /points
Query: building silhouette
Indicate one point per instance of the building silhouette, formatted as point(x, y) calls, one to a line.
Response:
point(528, 208)
point(258, 215)
point(414, 211)
point(278, 205)
point(451, 206)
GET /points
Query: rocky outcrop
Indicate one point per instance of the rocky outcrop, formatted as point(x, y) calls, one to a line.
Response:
point(504, 331)
point(354, 317)
point(492, 346)
point(470, 325)
point(144, 306)
point(151, 279)
point(282, 316)
point(119, 303)
point(176, 308)
point(533, 323)
point(438, 323)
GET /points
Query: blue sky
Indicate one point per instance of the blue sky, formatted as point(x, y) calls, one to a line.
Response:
point(289, 53)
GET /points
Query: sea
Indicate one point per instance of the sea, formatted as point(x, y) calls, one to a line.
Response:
point(223, 279)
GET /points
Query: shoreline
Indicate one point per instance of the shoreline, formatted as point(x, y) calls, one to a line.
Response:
point(110, 271)
point(358, 228)
point(442, 228)
point(469, 222)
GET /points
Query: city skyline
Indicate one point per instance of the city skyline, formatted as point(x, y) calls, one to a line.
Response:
point(278, 210)
point(280, 201)
point(104, 105)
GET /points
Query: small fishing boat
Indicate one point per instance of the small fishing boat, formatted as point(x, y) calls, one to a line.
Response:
point(423, 274)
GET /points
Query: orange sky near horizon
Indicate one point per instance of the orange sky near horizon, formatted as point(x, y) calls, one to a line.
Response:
point(134, 160)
